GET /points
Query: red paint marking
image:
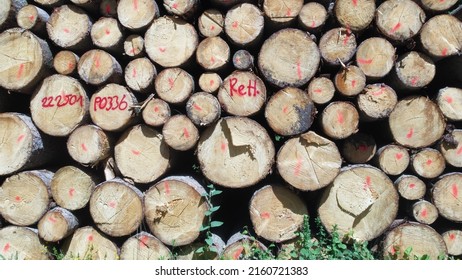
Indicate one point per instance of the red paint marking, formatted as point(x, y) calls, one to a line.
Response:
point(212, 59)
point(364, 61)
point(317, 90)
point(171, 82)
point(108, 8)
point(299, 71)
point(353, 83)
point(71, 192)
point(17, 198)
point(429, 162)
point(156, 109)
point(112, 204)
point(185, 132)
point(362, 148)
point(455, 190)
point(175, 5)
point(265, 215)
point(424, 213)
point(211, 82)
point(441, 1)
point(90, 238)
point(238, 253)
point(448, 99)
point(20, 71)
point(399, 156)
point(107, 31)
point(452, 236)
point(70, 65)
point(20, 138)
point(380, 92)
point(167, 188)
point(134, 72)
point(392, 250)
point(289, 13)
point(143, 241)
point(51, 219)
point(298, 167)
point(197, 107)
point(235, 24)
point(84, 147)
point(162, 49)
point(414, 80)
point(212, 27)
point(238, 60)
point(396, 27)
point(411, 185)
point(223, 146)
point(136, 152)
point(368, 183)
point(66, 30)
point(31, 18)
point(135, 4)
point(132, 51)
point(347, 37)
point(285, 110)
point(6, 248)
point(410, 133)
point(444, 52)
point(340, 117)
point(355, 2)
point(313, 24)
point(459, 151)
point(97, 61)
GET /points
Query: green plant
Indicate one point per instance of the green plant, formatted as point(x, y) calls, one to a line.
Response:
point(11, 258)
point(56, 252)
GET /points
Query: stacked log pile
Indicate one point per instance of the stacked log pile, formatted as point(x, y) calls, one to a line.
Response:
point(116, 114)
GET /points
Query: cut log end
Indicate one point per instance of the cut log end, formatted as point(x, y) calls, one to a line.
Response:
point(203, 109)
point(244, 24)
point(134, 46)
point(449, 101)
point(210, 82)
point(340, 119)
point(88, 244)
point(356, 15)
point(376, 102)
point(281, 13)
point(211, 23)
point(451, 148)
point(350, 81)
point(446, 196)
point(410, 187)
point(107, 34)
point(65, 63)
point(213, 53)
point(375, 56)
point(441, 36)
point(140, 75)
point(393, 159)
point(137, 15)
point(337, 46)
point(89, 145)
point(359, 148)
point(453, 240)
point(174, 85)
point(97, 67)
point(413, 70)
point(312, 16)
point(156, 113)
point(321, 90)
point(144, 246)
point(21, 243)
point(428, 163)
point(243, 60)
point(424, 212)
point(180, 133)
point(57, 224)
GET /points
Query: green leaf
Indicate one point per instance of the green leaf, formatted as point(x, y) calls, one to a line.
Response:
point(213, 249)
point(215, 208)
point(215, 224)
point(203, 228)
point(199, 250)
point(209, 241)
point(210, 186)
point(215, 192)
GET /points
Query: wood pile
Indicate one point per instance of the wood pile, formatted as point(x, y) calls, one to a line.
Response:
point(115, 115)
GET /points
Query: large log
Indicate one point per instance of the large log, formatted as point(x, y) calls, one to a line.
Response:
point(446, 196)
point(21, 243)
point(244, 24)
point(376, 57)
point(354, 14)
point(412, 71)
point(137, 15)
point(441, 36)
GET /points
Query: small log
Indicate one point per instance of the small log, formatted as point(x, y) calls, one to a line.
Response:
point(337, 46)
point(376, 102)
point(181, 8)
point(236, 152)
point(174, 85)
point(57, 224)
point(309, 162)
point(453, 240)
point(359, 148)
point(321, 90)
point(240, 246)
point(428, 163)
point(65, 63)
point(213, 53)
point(175, 210)
point(412, 71)
point(137, 15)
point(156, 113)
point(243, 60)
point(97, 67)
point(393, 159)
point(134, 46)
point(376, 57)
point(242, 94)
point(289, 57)
point(140, 75)
point(9, 11)
point(89, 145)
point(441, 36)
point(170, 42)
point(410, 187)
point(116, 207)
point(138, 147)
point(211, 23)
point(416, 122)
point(23, 145)
point(356, 15)
point(144, 246)
point(21, 243)
point(189, 252)
point(210, 82)
point(203, 109)
point(452, 150)
point(88, 244)
point(361, 199)
point(446, 196)
point(424, 212)
point(399, 20)
point(71, 187)
point(244, 24)
point(107, 34)
point(350, 81)
point(339, 120)
point(276, 213)
point(449, 100)
point(26, 60)
point(59, 105)
point(108, 8)
point(180, 133)
point(25, 197)
point(33, 18)
point(312, 16)
point(290, 111)
point(423, 240)
point(281, 13)
point(111, 107)
point(69, 27)
point(437, 5)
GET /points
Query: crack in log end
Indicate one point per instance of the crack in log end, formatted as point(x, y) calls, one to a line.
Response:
point(233, 149)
